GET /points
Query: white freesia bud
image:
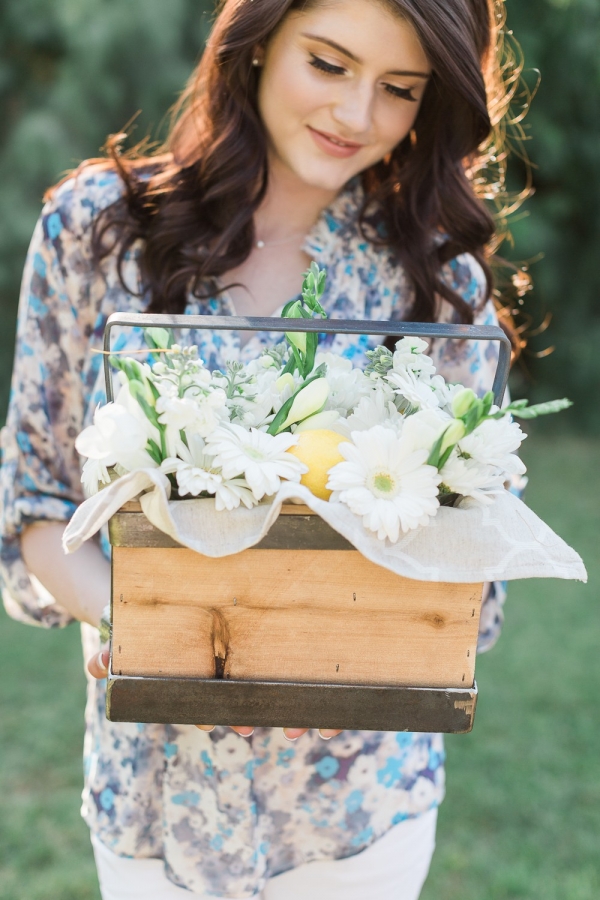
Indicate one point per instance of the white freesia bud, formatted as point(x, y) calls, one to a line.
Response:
point(453, 434)
point(309, 401)
point(462, 402)
point(323, 420)
point(285, 381)
point(298, 339)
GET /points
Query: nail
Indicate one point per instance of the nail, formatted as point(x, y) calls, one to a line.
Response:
point(324, 736)
point(206, 728)
point(101, 662)
point(290, 739)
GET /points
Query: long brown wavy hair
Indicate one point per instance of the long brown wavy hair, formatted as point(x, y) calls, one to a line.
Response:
point(191, 202)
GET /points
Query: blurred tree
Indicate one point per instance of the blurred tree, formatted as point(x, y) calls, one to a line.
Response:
point(72, 71)
point(561, 38)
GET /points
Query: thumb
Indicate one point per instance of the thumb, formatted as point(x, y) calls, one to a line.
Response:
point(98, 665)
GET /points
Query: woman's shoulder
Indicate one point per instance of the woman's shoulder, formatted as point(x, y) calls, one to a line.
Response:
point(75, 203)
point(465, 275)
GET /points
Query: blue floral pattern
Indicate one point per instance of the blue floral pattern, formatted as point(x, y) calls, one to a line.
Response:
point(223, 812)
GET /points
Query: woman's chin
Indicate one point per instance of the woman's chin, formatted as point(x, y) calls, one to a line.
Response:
point(327, 176)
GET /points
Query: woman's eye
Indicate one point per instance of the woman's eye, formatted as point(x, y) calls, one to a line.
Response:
point(402, 93)
point(326, 67)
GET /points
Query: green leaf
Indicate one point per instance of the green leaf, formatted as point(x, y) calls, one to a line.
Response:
point(154, 451)
point(158, 338)
point(436, 452)
point(488, 402)
point(541, 409)
point(138, 392)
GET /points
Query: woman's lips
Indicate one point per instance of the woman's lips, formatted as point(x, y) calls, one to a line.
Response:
point(333, 145)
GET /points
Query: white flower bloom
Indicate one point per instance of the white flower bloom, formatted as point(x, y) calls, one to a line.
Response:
point(347, 385)
point(410, 354)
point(93, 474)
point(115, 437)
point(261, 458)
point(471, 478)
point(197, 415)
point(377, 408)
point(386, 482)
point(196, 473)
point(231, 492)
point(423, 428)
point(419, 392)
point(495, 443)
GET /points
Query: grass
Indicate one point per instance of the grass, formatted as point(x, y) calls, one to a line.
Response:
point(522, 814)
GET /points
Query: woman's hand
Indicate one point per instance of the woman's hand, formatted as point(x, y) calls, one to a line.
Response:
point(98, 668)
point(290, 734)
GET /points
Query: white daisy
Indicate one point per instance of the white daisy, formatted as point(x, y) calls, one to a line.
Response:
point(386, 482)
point(231, 492)
point(196, 474)
point(261, 458)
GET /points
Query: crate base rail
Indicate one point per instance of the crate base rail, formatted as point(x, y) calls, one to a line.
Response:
point(189, 701)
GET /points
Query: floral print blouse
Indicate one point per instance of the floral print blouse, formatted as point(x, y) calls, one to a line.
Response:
point(225, 813)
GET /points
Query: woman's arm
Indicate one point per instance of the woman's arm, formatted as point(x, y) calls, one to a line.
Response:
point(80, 582)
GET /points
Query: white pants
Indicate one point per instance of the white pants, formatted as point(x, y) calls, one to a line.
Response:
point(393, 868)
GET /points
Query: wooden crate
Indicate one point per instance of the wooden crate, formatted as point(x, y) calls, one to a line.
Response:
point(299, 631)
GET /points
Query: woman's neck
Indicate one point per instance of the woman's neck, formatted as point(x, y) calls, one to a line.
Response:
point(290, 207)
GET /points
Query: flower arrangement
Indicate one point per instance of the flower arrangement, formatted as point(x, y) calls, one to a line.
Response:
point(393, 442)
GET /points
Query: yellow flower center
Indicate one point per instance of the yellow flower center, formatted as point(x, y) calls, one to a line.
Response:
point(383, 485)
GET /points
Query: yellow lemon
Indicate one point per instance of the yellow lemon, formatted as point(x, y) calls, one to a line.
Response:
point(319, 450)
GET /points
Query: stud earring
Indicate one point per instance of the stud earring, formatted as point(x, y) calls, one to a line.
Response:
point(256, 62)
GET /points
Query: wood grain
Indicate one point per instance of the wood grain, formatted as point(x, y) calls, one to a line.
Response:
point(289, 616)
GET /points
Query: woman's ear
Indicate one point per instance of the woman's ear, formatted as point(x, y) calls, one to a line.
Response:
point(259, 57)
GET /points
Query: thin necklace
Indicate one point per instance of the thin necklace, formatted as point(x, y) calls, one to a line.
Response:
point(260, 245)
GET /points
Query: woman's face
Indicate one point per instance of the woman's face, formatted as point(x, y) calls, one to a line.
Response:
point(341, 86)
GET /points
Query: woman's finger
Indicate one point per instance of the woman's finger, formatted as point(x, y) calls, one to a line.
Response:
point(243, 730)
point(206, 727)
point(98, 665)
point(328, 733)
point(292, 734)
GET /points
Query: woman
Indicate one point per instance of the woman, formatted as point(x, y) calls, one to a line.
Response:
point(349, 132)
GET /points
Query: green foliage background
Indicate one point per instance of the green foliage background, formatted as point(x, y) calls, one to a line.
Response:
point(71, 71)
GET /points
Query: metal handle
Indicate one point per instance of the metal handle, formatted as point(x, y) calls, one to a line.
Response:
point(321, 326)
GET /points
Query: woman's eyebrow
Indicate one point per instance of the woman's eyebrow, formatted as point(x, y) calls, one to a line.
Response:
point(356, 59)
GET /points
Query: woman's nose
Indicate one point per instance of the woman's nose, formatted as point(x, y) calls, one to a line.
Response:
point(354, 109)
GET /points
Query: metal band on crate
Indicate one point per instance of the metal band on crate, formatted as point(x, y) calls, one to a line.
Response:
point(329, 326)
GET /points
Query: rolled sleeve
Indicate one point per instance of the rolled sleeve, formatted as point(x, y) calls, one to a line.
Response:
point(40, 474)
point(472, 363)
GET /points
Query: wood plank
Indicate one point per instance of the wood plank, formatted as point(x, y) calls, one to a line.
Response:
point(290, 531)
point(188, 701)
point(288, 509)
point(269, 615)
